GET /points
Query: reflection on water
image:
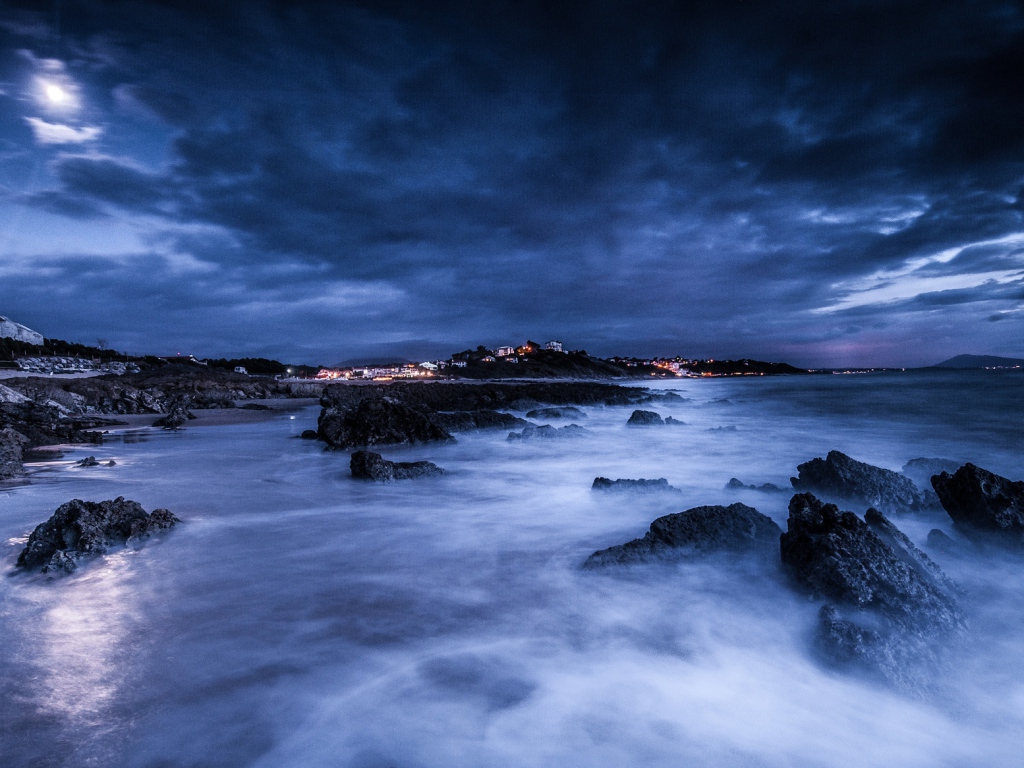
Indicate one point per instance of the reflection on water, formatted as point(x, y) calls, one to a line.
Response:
point(299, 618)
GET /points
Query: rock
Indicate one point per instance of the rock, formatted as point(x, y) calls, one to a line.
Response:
point(8, 395)
point(82, 529)
point(645, 419)
point(633, 486)
point(254, 407)
point(565, 412)
point(46, 425)
point(940, 542)
point(111, 463)
point(309, 434)
point(463, 421)
point(841, 478)
point(906, 610)
point(547, 432)
point(12, 453)
point(922, 470)
point(89, 461)
point(366, 465)
point(984, 506)
point(379, 421)
point(729, 428)
point(736, 484)
point(698, 531)
point(674, 422)
point(178, 414)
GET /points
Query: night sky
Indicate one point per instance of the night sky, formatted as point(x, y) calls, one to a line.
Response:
point(826, 183)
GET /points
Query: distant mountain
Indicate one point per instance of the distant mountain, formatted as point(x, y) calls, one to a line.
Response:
point(980, 361)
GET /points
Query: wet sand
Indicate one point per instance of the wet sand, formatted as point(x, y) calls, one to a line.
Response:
point(216, 417)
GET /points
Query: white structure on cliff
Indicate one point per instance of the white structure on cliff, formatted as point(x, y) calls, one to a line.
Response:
point(12, 330)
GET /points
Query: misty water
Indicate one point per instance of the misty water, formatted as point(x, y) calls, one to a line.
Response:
point(300, 618)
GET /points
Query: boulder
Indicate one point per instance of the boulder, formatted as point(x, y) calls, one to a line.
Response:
point(8, 395)
point(379, 421)
point(46, 425)
point(903, 608)
point(88, 461)
point(633, 486)
point(565, 412)
point(841, 478)
point(81, 529)
point(547, 432)
point(984, 506)
point(645, 419)
point(178, 413)
point(463, 421)
point(698, 531)
point(309, 434)
point(921, 470)
point(12, 453)
point(366, 465)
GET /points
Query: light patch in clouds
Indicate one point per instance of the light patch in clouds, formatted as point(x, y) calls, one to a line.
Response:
point(910, 287)
point(57, 133)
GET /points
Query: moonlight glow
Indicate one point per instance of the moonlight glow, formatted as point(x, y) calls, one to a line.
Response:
point(55, 93)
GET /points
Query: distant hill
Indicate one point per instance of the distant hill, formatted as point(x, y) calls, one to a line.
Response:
point(980, 361)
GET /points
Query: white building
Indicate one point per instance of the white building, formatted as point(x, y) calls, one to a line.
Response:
point(504, 351)
point(12, 330)
point(554, 346)
point(241, 369)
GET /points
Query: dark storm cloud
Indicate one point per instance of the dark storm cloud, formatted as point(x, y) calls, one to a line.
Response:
point(669, 177)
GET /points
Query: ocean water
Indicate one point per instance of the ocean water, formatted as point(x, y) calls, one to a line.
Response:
point(300, 618)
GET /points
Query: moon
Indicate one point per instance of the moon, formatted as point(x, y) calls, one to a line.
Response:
point(55, 93)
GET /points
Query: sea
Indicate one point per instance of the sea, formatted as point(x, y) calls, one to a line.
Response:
point(298, 617)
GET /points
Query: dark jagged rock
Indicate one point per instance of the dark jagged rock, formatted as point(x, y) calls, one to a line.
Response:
point(547, 432)
point(645, 419)
point(82, 529)
point(254, 407)
point(366, 465)
point(12, 453)
point(379, 421)
point(736, 484)
point(674, 422)
point(983, 505)
point(633, 486)
point(309, 434)
point(565, 412)
point(89, 461)
point(178, 413)
point(922, 470)
point(463, 421)
point(47, 425)
point(698, 531)
point(872, 570)
point(729, 428)
point(841, 478)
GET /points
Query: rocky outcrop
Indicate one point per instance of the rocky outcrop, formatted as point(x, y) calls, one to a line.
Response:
point(464, 421)
point(901, 604)
point(645, 419)
point(178, 413)
point(922, 470)
point(379, 421)
point(12, 448)
point(735, 484)
point(8, 395)
point(547, 432)
point(699, 531)
point(984, 506)
point(46, 425)
point(565, 412)
point(366, 465)
point(81, 529)
point(633, 486)
point(840, 478)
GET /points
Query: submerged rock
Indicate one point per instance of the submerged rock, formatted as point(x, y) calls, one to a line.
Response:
point(463, 421)
point(379, 421)
point(565, 412)
point(633, 486)
point(309, 434)
point(82, 529)
point(698, 531)
point(366, 465)
point(547, 432)
point(922, 470)
point(841, 478)
point(737, 484)
point(89, 461)
point(983, 505)
point(645, 419)
point(12, 453)
point(904, 606)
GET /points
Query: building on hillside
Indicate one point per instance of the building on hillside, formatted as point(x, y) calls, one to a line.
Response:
point(504, 351)
point(241, 369)
point(12, 330)
point(554, 346)
point(526, 349)
point(487, 359)
point(180, 358)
